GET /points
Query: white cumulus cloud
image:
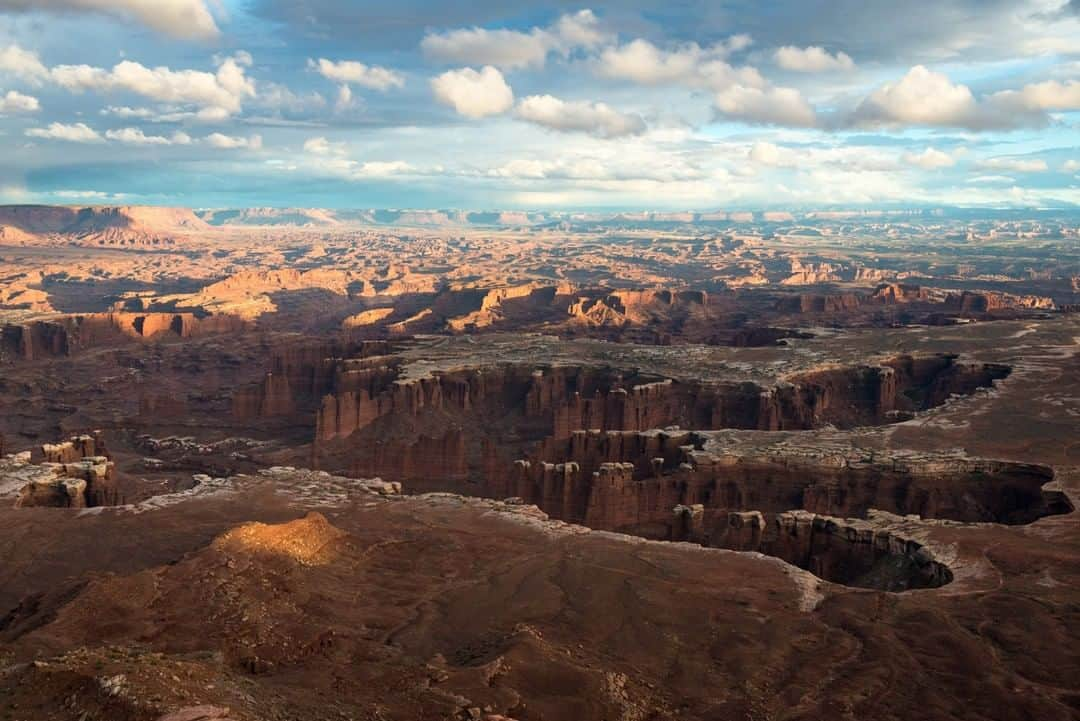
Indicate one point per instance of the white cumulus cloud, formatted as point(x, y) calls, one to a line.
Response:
point(921, 97)
point(22, 63)
point(344, 98)
point(74, 133)
point(229, 142)
point(642, 62)
point(1015, 165)
point(507, 49)
point(374, 77)
point(813, 59)
point(321, 146)
point(928, 98)
point(930, 159)
point(82, 133)
point(512, 49)
point(179, 18)
point(222, 92)
point(772, 155)
point(16, 102)
point(381, 168)
point(123, 111)
point(1038, 98)
point(474, 94)
point(768, 106)
point(596, 119)
point(135, 136)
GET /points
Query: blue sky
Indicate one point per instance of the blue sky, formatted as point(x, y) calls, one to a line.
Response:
point(686, 104)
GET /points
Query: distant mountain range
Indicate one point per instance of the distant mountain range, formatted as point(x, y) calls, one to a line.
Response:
point(147, 225)
point(320, 217)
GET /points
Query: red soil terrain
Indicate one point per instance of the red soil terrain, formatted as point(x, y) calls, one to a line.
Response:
point(268, 465)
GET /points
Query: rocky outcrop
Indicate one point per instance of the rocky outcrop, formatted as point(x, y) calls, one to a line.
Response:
point(302, 373)
point(76, 484)
point(344, 413)
point(622, 307)
point(472, 422)
point(964, 303)
point(79, 484)
point(65, 335)
point(253, 282)
point(75, 448)
point(54, 489)
point(843, 396)
point(969, 302)
point(811, 273)
point(887, 294)
point(848, 551)
point(38, 339)
point(369, 421)
point(577, 398)
point(367, 318)
point(417, 462)
point(499, 305)
point(75, 473)
point(657, 316)
point(562, 398)
point(105, 225)
point(648, 474)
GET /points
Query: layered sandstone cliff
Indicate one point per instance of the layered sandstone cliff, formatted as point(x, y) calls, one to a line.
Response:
point(894, 294)
point(847, 551)
point(630, 481)
point(76, 473)
point(366, 417)
point(68, 334)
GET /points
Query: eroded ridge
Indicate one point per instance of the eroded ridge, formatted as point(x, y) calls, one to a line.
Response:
point(647, 473)
point(589, 449)
point(583, 444)
point(370, 413)
point(852, 552)
point(76, 473)
point(813, 506)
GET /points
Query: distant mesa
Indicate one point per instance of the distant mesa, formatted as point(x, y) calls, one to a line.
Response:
point(98, 225)
point(163, 222)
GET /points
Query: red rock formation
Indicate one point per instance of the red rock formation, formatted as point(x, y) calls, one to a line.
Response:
point(254, 282)
point(163, 405)
point(631, 481)
point(416, 460)
point(891, 294)
point(34, 340)
point(901, 293)
point(301, 374)
point(76, 473)
point(811, 273)
point(842, 551)
point(370, 415)
point(564, 398)
point(75, 448)
point(988, 301)
point(637, 407)
point(68, 334)
point(105, 225)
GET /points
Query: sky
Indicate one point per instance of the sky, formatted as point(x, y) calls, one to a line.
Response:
point(552, 105)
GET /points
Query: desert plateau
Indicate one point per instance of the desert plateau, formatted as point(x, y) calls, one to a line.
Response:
point(666, 469)
point(708, 361)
